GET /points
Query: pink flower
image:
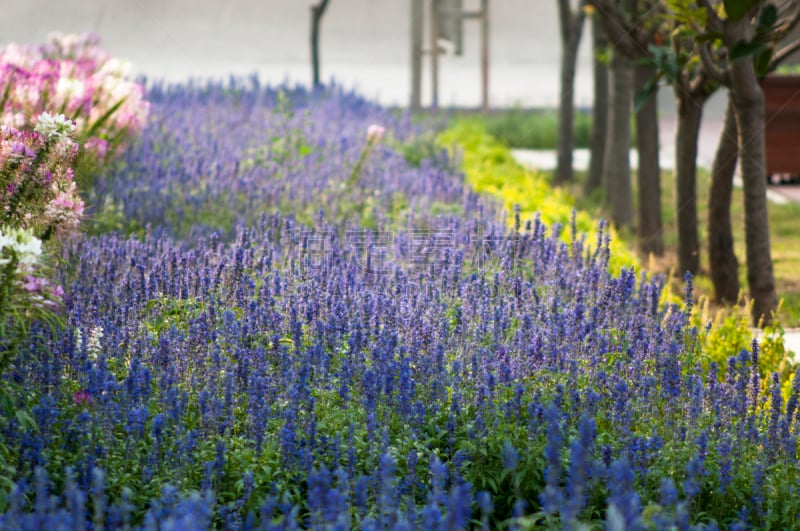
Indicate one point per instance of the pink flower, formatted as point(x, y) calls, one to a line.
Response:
point(68, 203)
point(33, 284)
point(57, 292)
point(374, 133)
point(43, 291)
point(82, 398)
point(98, 146)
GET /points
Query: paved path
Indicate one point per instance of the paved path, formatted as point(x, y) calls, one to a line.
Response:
point(791, 341)
point(545, 159)
point(789, 191)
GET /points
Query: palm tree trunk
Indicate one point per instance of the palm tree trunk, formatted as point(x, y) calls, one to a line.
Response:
point(722, 259)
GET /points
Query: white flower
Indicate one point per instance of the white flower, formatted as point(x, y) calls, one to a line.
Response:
point(51, 125)
point(5, 242)
point(69, 87)
point(19, 55)
point(21, 242)
point(78, 339)
point(93, 345)
point(116, 68)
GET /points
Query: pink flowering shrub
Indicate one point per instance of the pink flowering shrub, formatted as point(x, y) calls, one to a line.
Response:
point(37, 187)
point(73, 76)
point(66, 107)
point(38, 201)
point(54, 98)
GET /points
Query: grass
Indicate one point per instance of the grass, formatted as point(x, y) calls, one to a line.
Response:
point(535, 128)
point(521, 128)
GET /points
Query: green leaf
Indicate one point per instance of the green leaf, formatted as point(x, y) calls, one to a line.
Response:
point(95, 127)
point(762, 62)
point(646, 93)
point(767, 17)
point(738, 9)
point(710, 36)
point(743, 49)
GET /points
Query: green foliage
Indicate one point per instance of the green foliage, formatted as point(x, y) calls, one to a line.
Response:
point(744, 49)
point(280, 149)
point(789, 69)
point(419, 148)
point(489, 167)
point(767, 17)
point(729, 333)
point(738, 9)
point(538, 129)
point(688, 12)
point(169, 312)
point(524, 129)
point(19, 312)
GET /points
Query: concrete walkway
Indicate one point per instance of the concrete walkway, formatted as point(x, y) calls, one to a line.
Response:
point(791, 341)
point(545, 159)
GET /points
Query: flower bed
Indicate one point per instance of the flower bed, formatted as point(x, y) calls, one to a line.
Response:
point(308, 329)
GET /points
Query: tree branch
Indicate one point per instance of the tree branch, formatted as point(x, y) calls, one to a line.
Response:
point(783, 54)
point(565, 19)
point(714, 73)
point(789, 23)
point(620, 34)
point(698, 87)
point(714, 22)
point(571, 23)
point(319, 9)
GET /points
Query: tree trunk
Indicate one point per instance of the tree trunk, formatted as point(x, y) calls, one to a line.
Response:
point(722, 259)
point(748, 101)
point(566, 114)
point(317, 11)
point(649, 229)
point(571, 32)
point(690, 113)
point(616, 166)
point(594, 178)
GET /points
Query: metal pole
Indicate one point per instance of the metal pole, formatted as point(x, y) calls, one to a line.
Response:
point(416, 54)
point(485, 55)
point(434, 54)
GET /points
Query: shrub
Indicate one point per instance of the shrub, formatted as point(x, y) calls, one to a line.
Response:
point(522, 129)
point(71, 75)
point(490, 168)
point(538, 129)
